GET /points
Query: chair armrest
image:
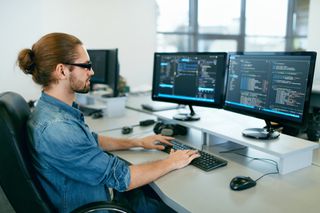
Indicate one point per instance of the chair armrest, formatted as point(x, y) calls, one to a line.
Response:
point(103, 205)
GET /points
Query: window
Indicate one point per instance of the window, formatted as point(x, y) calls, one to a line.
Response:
point(217, 45)
point(173, 43)
point(300, 24)
point(173, 16)
point(219, 17)
point(265, 25)
point(232, 25)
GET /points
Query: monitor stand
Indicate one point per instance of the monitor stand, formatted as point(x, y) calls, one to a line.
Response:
point(192, 116)
point(266, 133)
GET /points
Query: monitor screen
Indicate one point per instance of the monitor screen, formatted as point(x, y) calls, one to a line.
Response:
point(274, 86)
point(106, 68)
point(189, 78)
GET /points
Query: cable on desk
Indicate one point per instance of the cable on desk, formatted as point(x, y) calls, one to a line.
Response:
point(147, 122)
point(273, 162)
point(227, 151)
point(232, 150)
point(202, 147)
point(315, 164)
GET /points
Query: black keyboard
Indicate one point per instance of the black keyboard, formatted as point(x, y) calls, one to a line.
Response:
point(206, 161)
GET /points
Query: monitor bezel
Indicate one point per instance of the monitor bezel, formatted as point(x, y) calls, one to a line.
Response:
point(273, 117)
point(219, 97)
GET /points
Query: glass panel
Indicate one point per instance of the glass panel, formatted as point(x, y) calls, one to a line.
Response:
point(221, 17)
point(217, 45)
point(264, 44)
point(300, 44)
point(172, 15)
point(266, 18)
point(172, 43)
point(301, 15)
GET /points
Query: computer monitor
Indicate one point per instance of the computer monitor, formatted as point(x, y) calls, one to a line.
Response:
point(105, 65)
point(190, 78)
point(274, 86)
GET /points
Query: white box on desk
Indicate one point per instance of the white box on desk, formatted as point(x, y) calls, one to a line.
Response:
point(115, 106)
point(111, 106)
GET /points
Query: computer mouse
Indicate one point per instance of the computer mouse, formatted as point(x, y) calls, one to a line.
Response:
point(126, 130)
point(241, 182)
point(97, 115)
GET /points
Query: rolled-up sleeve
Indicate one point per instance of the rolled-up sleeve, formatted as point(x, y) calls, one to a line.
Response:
point(73, 150)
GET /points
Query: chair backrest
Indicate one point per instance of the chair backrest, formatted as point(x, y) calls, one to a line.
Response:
point(16, 172)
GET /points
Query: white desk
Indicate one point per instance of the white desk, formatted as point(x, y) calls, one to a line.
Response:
point(192, 190)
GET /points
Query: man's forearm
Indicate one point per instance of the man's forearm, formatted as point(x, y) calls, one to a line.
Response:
point(111, 144)
point(145, 173)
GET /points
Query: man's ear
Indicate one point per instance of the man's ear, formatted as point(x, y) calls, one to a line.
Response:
point(60, 71)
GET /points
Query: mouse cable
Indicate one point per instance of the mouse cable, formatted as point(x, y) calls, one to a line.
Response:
point(147, 122)
point(273, 162)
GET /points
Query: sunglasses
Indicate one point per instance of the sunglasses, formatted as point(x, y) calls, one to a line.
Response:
point(82, 65)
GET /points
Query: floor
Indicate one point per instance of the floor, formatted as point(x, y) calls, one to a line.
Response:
point(4, 203)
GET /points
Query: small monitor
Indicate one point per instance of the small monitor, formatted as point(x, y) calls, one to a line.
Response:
point(105, 65)
point(274, 86)
point(190, 78)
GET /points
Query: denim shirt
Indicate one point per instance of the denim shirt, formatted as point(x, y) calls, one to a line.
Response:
point(69, 163)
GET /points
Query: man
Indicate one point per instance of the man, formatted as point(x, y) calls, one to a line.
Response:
point(69, 159)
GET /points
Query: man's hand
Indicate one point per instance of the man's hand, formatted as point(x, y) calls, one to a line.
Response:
point(147, 172)
point(181, 158)
point(151, 142)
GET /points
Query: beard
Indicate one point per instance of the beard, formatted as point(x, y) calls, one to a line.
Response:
point(83, 90)
point(79, 86)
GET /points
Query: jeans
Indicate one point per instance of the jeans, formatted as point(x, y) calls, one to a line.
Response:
point(142, 200)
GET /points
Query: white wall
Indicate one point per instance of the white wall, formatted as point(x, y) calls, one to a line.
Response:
point(20, 27)
point(124, 24)
point(314, 36)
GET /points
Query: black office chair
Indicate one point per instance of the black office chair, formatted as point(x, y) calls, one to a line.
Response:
point(17, 179)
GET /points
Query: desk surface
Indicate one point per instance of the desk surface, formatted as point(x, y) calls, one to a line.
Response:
point(192, 190)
